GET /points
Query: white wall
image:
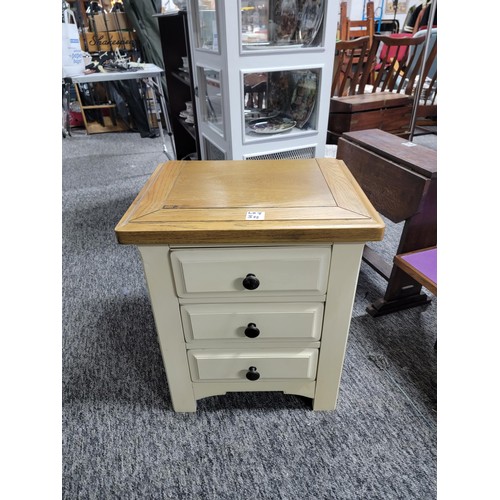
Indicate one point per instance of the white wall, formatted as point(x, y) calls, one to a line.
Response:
point(355, 10)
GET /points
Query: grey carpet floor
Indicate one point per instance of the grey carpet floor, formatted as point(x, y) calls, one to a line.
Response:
point(121, 439)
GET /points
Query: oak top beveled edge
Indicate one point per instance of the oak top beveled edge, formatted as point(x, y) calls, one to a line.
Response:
point(147, 219)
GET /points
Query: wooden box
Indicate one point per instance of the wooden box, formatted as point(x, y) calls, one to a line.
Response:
point(110, 22)
point(104, 41)
point(386, 111)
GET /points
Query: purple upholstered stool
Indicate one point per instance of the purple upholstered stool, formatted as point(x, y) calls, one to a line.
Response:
point(421, 265)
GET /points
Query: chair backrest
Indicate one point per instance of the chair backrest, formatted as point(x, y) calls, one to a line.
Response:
point(429, 72)
point(422, 20)
point(349, 65)
point(432, 52)
point(390, 52)
point(398, 70)
point(358, 69)
point(351, 29)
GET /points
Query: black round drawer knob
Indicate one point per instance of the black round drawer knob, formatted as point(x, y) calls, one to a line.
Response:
point(251, 331)
point(253, 374)
point(251, 282)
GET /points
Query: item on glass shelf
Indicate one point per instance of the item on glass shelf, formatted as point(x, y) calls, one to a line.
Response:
point(279, 94)
point(288, 21)
point(254, 114)
point(272, 125)
point(304, 98)
point(311, 18)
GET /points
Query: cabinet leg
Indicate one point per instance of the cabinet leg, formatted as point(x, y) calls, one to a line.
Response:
point(184, 406)
point(318, 405)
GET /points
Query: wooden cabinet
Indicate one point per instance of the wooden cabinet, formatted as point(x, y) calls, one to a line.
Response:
point(176, 52)
point(245, 303)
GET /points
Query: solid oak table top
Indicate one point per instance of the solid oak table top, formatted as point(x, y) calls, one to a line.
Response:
point(250, 201)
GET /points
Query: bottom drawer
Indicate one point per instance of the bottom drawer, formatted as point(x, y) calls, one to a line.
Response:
point(252, 365)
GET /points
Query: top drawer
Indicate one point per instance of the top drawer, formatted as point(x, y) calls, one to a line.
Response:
point(251, 271)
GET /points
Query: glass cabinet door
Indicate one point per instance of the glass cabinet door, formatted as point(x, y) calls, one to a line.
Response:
point(271, 24)
point(206, 27)
point(211, 98)
point(279, 101)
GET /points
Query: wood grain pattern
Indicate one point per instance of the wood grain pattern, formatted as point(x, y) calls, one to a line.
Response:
point(400, 179)
point(417, 158)
point(369, 102)
point(395, 191)
point(193, 202)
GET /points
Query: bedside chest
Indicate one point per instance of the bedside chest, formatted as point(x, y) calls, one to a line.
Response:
point(252, 268)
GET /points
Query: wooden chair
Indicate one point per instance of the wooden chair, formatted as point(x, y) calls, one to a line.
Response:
point(400, 69)
point(384, 94)
point(349, 65)
point(351, 29)
point(427, 105)
point(255, 87)
point(392, 52)
point(395, 64)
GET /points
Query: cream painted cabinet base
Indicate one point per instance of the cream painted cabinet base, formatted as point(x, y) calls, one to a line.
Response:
point(289, 334)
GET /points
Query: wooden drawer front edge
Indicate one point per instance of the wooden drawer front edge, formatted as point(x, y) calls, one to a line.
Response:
point(252, 322)
point(220, 272)
point(233, 365)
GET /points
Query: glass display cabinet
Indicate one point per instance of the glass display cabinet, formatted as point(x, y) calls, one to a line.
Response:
point(262, 71)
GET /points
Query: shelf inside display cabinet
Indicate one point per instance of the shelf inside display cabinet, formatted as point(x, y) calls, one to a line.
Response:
point(279, 128)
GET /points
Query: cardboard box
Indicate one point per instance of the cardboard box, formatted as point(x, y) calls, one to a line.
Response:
point(115, 21)
point(123, 40)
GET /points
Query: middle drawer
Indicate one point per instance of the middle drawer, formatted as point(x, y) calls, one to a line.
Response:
point(247, 321)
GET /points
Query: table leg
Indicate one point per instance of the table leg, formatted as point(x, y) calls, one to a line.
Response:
point(161, 105)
